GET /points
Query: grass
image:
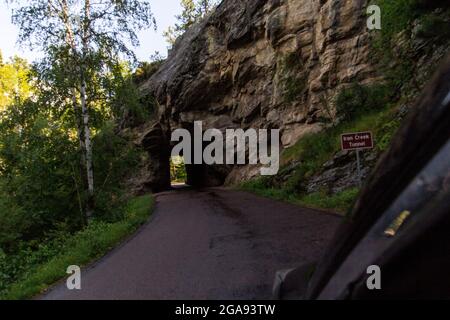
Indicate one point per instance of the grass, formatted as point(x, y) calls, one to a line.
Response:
point(340, 202)
point(80, 249)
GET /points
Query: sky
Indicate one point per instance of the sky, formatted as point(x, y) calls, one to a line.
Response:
point(151, 41)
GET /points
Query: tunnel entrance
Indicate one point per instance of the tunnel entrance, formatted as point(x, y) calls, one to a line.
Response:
point(203, 176)
point(165, 171)
point(196, 175)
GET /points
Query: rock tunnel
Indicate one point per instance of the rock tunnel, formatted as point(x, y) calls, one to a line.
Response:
point(158, 146)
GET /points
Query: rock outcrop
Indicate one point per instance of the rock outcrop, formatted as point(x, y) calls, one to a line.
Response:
point(261, 64)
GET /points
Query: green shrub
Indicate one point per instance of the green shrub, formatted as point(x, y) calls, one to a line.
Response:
point(358, 99)
point(145, 70)
point(397, 15)
point(340, 202)
point(13, 222)
point(113, 157)
point(432, 26)
point(39, 162)
point(293, 77)
point(350, 101)
point(294, 88)
point(28, 272)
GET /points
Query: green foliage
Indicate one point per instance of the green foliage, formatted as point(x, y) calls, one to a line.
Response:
point(433, 26)
point(294, 86)
point(386, 127)
point(192, 12)
point(350, 101)
point(112, 26)
point(38, 161)
point(293, 78)
point(14, 84)
point(263, 187)
point(46, 113)
point(397, 15)
point(292, 61)
point(13, 220)
point(358, 99)
point(28, 273)
point(125, 103)
point(177, 170)
point(145, 70)
point(113, 158)
point(82, 72)
point(40, 171)
point(42, 192)
point(397, 20)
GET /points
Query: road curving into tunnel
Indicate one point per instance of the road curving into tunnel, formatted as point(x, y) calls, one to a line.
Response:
point(212, 243)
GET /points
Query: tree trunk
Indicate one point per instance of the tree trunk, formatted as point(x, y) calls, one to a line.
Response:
point(88, 155)
point(85, 114)
point(82, 118)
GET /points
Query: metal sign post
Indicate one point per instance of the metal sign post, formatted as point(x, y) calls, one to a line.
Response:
point(358, 161)
point(357, 142)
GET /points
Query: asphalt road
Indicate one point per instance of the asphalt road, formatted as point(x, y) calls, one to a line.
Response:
point(208, 244)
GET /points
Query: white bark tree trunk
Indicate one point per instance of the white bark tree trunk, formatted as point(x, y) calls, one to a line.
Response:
point(88, 146)
point(85, 114)
point(83, 129)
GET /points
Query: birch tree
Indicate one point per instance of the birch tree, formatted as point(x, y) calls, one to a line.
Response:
point(82, 40)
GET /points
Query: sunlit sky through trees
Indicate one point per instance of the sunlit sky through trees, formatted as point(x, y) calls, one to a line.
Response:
point(151, 41)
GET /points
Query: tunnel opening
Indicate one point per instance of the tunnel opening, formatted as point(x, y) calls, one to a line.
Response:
point(196, 175)
point(178, 175)
point(204, 176)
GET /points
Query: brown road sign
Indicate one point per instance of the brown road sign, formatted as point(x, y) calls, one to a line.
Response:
point(357, 141)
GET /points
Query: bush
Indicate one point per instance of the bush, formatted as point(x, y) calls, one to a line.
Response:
point(294, 88)
point(358, 99)
point(350, 101)
point(113, 157)
point(145, 70)
point(432, 26)
point(398, 16)
point(37, 176)
point(13, 223)
point(293, 76)
point(28, 272)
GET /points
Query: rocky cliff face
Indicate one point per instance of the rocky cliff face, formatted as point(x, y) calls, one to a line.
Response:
point(258, 64)
point(278, 64)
